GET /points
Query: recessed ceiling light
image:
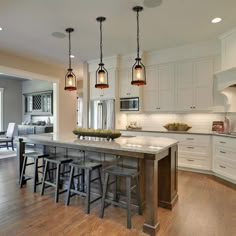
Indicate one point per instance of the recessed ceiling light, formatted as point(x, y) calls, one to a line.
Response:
point(152, 3)
point(0, 28)
point(72, 56)
point(216, 20)
point(58, 35)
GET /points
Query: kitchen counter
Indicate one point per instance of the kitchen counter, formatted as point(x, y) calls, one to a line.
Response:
point(157, 162)
point(231, 135)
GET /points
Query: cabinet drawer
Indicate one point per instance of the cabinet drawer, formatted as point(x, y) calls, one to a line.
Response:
point(225, 169)
point(226, 154)
point(193, 163)
point(225, 142)
point(188, 139)
point(194, 150)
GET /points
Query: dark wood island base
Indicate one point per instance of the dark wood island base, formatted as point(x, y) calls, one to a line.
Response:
point(157, 165)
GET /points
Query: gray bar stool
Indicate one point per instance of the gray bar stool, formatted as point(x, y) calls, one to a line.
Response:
point(128, 174)
point(24, 178)
point(85, 170)
point(59, 162)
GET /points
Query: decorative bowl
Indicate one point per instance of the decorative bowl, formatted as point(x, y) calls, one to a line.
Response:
point(108, 134)
point(177, 127)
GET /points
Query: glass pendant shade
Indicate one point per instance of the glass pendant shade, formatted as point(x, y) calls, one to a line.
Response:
point(70, 81)
point(101, 77)
point(70, 78)
point(101, 73)
point(138, 69)
point(138, 73)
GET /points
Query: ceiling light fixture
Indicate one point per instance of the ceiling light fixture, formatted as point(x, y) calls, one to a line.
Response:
point(70, 78)
point(101, 73)
point(138, 69)
point(72, 56)
point(0, 28)
point(216, 20)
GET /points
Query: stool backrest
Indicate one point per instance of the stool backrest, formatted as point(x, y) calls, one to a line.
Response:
point(10, 130)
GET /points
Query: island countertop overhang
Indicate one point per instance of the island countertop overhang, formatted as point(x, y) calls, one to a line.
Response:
point(136, 144)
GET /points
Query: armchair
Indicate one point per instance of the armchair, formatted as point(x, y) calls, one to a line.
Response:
point(7, 137)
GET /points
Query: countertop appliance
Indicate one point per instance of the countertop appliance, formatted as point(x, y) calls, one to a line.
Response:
point(102, 114)
point(129, 104)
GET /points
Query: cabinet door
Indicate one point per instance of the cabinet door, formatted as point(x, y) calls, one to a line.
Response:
point(150, 93)
point(125, 87)
point(203, 85)
point(184, 86)
point(166, 83)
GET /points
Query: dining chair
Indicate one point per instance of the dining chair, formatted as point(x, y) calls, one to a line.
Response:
point(8, 136)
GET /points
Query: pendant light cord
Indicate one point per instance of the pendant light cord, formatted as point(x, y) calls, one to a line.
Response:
point(137, 34)
point(101, 41)
point(69, 52)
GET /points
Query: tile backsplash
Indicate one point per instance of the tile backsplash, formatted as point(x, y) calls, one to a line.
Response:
point(199, 122)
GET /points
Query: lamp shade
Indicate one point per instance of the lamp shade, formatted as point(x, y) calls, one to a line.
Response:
point(70, 81)
point(138, 73)
point(101, 77)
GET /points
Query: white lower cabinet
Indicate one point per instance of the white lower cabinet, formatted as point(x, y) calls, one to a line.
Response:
point(224, 157)
point(194, 151)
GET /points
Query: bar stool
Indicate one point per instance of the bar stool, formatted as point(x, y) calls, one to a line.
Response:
point(35, 156)
point(87, 169)
point(128, 174)
point(59, 162)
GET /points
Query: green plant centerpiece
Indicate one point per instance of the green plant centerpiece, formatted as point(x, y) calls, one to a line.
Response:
point(177, 127)
point(103, 133)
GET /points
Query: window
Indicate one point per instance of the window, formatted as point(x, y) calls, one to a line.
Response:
point(1, 109)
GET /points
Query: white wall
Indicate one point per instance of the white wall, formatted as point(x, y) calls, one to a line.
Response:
point(12, 101)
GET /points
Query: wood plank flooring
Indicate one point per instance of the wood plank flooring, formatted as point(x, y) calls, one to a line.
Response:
point(205, 208)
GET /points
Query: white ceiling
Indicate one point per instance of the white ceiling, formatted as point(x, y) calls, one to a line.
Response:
point(28, 25)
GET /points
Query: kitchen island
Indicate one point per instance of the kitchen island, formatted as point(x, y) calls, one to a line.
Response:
point(157, 159)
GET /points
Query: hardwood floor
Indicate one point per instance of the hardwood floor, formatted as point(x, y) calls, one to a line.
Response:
point(205, 207)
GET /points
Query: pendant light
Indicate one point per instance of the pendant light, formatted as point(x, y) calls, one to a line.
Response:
point(70, 78)
point(138, 69)
point(101, 73)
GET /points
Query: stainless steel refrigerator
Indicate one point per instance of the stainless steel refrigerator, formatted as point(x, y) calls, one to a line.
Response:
point(102, 114)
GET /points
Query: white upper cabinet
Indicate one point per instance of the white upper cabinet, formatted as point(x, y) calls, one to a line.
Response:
point(158, 94)
point(194, 82)
point(107, 93)
point(125, 88)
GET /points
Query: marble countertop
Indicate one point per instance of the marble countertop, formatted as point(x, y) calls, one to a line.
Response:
point(138, 144)
point(231, 135)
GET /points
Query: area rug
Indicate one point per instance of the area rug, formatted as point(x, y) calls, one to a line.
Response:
point(5, 153)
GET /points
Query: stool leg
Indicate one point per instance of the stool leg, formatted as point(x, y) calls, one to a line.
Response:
point(23, 171)
point(138, 196)
point(104, 195)
point(115, 189)
point(35, 174)
point(83, 181)
point(44, 177)
point(88, 179)
point(57, 182)
point(100, 181)
point(128, 195)
point(70, 185)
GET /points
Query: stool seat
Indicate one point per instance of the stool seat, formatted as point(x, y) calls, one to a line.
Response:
point(35, 155)
point(85, 165)
point(121, 171)
point(58, 160)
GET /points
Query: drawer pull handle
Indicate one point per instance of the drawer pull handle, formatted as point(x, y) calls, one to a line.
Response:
point(222, 152)
point(190, 138)
point(190, 160)
point(190, 147)
point(222, 166)
point(222, 142)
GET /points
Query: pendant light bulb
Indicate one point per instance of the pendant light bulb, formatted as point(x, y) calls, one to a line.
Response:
point(138, 69)
point(70, 78)
point(101, 73)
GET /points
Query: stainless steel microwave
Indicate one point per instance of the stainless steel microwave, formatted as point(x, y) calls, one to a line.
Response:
point(129, 104)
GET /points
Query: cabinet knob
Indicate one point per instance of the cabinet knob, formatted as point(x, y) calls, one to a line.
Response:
point(222, 152)
point(190, 160)
point(222, 142)
point(190, 138)
point(222, 166)
point(194, 107)
point(190, 147)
